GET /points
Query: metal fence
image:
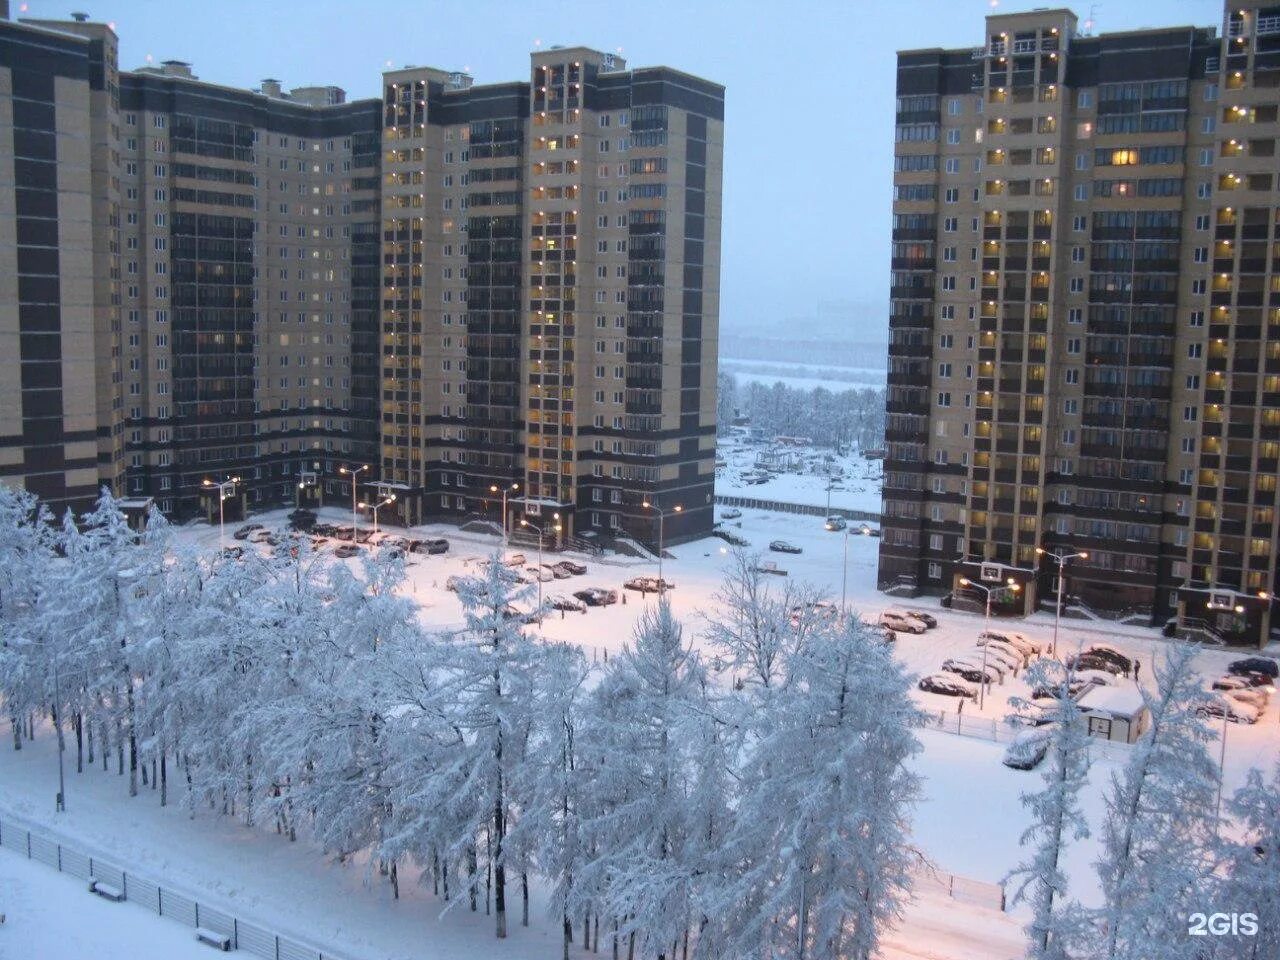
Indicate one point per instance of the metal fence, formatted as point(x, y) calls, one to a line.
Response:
point(779, 506)
point(244, 935)
point(978, 893)
point(1001, 731)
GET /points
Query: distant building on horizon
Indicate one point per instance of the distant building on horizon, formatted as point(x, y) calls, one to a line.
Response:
point(1085, 325)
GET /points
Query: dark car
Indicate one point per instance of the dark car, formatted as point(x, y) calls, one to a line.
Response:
point(947, 684)
point(559, 602)
point(597, 596)
point(1076, 690)
point(233, 553)
point(731, 538)
point(1089, 661)
point(1028, 749)
point(1110, 653)
point(436, 545)
point(784, 546)
point(242, 533)
point(324, 529)
point(972, 672)
point(571, 567)
point(928, 619)
point(649, 584)
point(1255, 665)
point(1254, 679)
point(346, 550)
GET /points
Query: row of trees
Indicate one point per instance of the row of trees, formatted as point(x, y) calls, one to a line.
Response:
point(853, 416)
point(1167, 852)
point(665, 811)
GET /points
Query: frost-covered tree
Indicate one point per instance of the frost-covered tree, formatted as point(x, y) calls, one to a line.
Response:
point(1250, 870)
point(27, 652)
point(820, 847)
point(1056, 821)
point(1158, 831)
point(643, 746)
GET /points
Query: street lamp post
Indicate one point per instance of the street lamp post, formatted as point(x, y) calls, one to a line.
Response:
point(538, 530)
point(391, 498)
point(1062, 559)
point(353, 473)
point(494, 488)
point(662, 516)
point(1010, 584)
point(225, 490)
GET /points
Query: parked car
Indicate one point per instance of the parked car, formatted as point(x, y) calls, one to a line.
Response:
point(1255, 697)
point(1019, 640)
point(929, 621)
point(539, 573)
point(1075, 690)
point(557, 572)
point(1099, 678)
point(261, 535)
point(1005, 647)
point(1028, 749)
point(731, 538)
point(835, 523)
point(572, 567)
point(1230, 682)
point(973, 672)
point(233, 552)
point(324, 529)
point(515, 560)
point(597, 596)
point(344, 533)
point(1036, 712)
point(884, 633)
point(1107, 652)
point(302, 519)
point(1088, 661)
point(903, 624)
point(1009, 662)
point(948, 684)
point(437, 545)
point(242, 533)
point(561, 602)
point(648, 584)
point(346, 550)
point(869, 531)
point(1233, 710)
point(1255, 679)
point(784, 546)
point(1256, 665)
point(730, 513)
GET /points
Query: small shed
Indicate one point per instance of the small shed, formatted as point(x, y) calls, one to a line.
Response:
point(1115, 713)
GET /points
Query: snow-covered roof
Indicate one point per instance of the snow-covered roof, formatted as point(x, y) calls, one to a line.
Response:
point(1122, 701)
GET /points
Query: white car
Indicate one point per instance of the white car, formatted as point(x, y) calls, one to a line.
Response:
point(1020, 640)
point(732, 513)
point(1011, 663)
point(1005, 647)
point(901, 623)
point(1253, 697)
point(1237, 711)
point(539, 573)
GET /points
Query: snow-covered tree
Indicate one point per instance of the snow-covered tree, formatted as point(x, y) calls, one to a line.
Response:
point(1056, 821)
point(1158, 831)
point(1250, 874)
point(26, 650)
point(820, 847)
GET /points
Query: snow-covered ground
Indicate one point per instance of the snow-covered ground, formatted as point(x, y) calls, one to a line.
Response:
point(803, 475)
point(804, 376)
point(968, 822)
point(51, 916)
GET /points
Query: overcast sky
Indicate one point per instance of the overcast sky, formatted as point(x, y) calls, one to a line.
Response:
point(809, 100)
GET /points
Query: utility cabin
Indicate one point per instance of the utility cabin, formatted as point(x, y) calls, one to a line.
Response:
point(1115, 713)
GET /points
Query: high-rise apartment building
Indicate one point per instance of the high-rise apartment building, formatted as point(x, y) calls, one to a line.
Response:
point(460, 286)
point(550, 294)
point(1085, 342)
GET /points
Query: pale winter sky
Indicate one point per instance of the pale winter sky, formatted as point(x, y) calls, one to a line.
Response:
point(809, 101)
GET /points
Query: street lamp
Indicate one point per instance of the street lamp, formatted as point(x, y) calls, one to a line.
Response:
point(662, 516)
point(538, 530)
point(1062, 559)
point(494, 488)
point(1010, 584)
point(391, 498)
point(353, 473)
point(225, 489)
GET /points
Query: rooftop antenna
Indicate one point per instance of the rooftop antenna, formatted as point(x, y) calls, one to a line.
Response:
point(1092, 18)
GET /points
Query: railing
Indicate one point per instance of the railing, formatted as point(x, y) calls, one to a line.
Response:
point(810, 510)
point(964, 889)
point(163, 901)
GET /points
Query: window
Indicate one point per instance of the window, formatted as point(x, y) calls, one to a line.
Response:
point(1084, 99)
point(1207, 124)
point(1082, 161)
point(1190, 414)
point(1193, 381)
point(952, 195)
point(1206, 156)
point(1070, 406)
point(1081, 191)
point(944, 399)
point(935, 540)
point(1073, 345)
point(1196, 319)
point(1194, 351)
point(953, 136)
point(1079, 224)
point(1077, 254)
point(953, 107)
point(950, 224)
point(1075, 315)
point(1076, 285)
point(952, 165)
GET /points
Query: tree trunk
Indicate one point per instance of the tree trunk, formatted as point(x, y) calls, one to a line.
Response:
point(395, 881)
point(89, 737)
point(16, 724)
point(164, 780)
point(524, 898)
point(471, 875)
point(78, 720)
point(133, 739)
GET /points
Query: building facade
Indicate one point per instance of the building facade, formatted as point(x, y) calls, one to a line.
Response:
point(1085, 342)
point(456, 287)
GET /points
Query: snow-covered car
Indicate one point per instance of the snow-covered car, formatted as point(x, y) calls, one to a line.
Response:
point(648, 584)
point(884, 633)
point(947, 684)
point(1020, 640)
point(731, 513)
point(539, 573)
point(1229, 683)
point(1075, 690)
point(1099, 678)
point(557, 572)
point(515, 560)
point(346, 550)
point(242, 533)
point(1088, 661)
point(1035, 712)
point(561, 602)
point(1234, 710)
point(1008, 662)
point(597, 596)
point(433, 545)
point(835, 523)
point(1004, 647)
point(784, 546)
point(973, 671)
point(261, 535)
point(572, 567)
point(1255, 679)
point(1107, 652)
point(1253, 696)
point(901, 623)
point(1028, 749)
point(924, 618)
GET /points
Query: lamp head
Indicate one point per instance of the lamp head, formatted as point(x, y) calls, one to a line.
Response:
point(677, 508)
point(1039, 551)
point(1083, 554)
point(647, 505)
point(523, 522)
point(966, 582)
point(493, 488)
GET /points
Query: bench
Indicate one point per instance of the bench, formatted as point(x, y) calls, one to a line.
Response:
point(213, 938)
point(106, 890)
